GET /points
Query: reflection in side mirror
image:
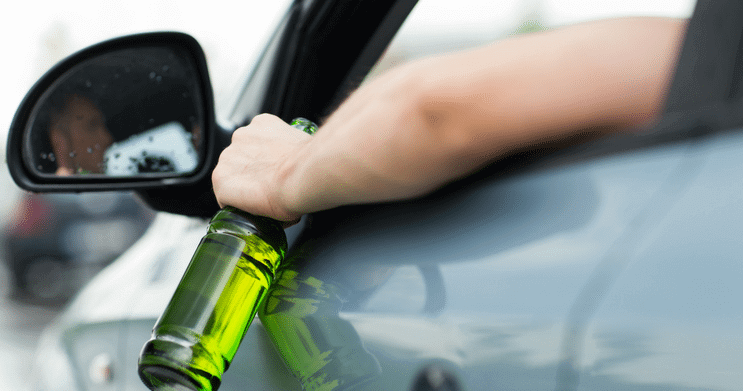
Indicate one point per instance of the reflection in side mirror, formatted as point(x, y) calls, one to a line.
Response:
point(166, 148)
point(126, 113)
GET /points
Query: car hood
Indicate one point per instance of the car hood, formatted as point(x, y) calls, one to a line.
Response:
point(153, 264)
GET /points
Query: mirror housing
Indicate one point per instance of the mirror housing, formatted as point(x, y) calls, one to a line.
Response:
point(105, 116)
point(130, 80)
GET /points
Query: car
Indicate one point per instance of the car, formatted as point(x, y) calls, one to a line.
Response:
point(55, 243)
point(612, 264)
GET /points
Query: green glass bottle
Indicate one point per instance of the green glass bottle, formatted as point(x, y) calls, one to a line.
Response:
point(199, 332)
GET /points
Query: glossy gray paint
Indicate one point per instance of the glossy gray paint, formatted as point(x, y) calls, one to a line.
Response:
point(618, 273)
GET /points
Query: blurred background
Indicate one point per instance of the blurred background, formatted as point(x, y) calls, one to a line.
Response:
point(51, 245)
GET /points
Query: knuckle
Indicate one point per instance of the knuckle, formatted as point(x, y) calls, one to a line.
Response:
point(237, 134)
point(263, 117)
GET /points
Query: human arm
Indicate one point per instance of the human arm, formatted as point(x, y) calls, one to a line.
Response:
point(431, 121)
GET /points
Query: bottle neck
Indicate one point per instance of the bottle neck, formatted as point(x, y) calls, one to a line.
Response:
point(233, 220)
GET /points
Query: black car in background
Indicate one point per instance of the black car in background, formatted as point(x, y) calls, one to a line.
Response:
point(55, 243)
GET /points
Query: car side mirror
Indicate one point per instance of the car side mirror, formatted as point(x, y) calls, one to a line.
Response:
point(131, 113)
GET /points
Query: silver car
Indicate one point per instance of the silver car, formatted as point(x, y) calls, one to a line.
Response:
point(610, 265)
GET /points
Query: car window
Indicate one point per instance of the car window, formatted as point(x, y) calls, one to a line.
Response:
point(437, 26)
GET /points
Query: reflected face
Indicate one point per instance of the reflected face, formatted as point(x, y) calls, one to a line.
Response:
point(79, 137)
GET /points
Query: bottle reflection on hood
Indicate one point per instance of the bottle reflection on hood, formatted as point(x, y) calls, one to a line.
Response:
point(301, 316)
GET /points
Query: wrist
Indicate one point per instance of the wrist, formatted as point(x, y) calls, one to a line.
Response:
point(286, 200)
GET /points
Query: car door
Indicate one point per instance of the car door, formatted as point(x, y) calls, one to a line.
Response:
point(610, 265)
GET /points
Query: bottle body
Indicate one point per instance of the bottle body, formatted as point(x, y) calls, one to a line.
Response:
point(197, 336)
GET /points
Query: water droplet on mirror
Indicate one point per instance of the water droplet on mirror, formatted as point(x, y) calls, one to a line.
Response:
point(165, 68)
point(73, 154)
point(88, 83)
point(151, 139)
point(151, 121)
point(43, 155)
point(51, 157)
point(159, 78)
point(152, 75)
point(90, 150)
point(117, 155)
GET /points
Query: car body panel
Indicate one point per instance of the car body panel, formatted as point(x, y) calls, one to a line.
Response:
point(620, 272)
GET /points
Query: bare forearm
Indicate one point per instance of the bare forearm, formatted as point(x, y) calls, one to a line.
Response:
point(356, 155)
point(602, 76)
point(433, 121)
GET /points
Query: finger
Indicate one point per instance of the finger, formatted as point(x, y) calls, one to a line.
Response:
point(266, 119)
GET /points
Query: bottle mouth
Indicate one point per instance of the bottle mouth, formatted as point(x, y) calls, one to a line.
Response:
point(160, 378)
point(159, 373)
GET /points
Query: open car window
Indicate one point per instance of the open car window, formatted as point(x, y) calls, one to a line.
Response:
point(702, 99)
point(438, 26)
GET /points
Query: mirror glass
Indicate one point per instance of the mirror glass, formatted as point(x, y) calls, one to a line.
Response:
point(130, 112)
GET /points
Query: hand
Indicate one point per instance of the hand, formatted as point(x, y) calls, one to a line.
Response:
point(250, 172)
